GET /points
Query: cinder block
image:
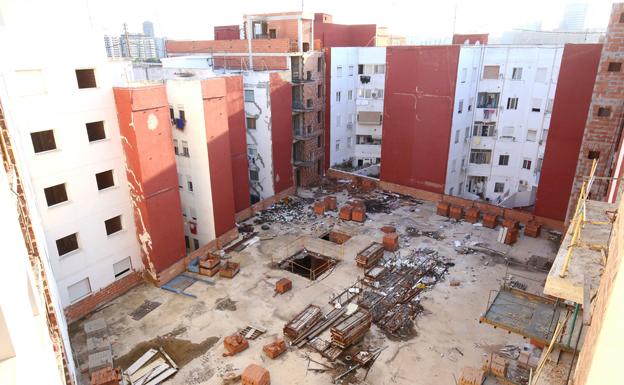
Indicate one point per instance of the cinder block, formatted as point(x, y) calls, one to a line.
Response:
point(456, 212)
point(443, 209)
point(255, 375)
point(345, 212)
point(391, 242)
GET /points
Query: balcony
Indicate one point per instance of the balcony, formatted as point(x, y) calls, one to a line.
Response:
point(299, 106)
point(303, 135)
point(299, 79)
point(349, 126)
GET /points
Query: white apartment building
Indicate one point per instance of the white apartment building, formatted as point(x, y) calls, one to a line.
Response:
point(113, 46)
point(60, 111)
point(357, 104)
point(503, 102)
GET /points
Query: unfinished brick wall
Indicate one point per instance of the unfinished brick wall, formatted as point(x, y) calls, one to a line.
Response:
point(186, 47)
point(604, 122)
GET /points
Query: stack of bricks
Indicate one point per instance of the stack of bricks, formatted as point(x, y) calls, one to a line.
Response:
point(532, 229)
point(106, 376)
point(471, 376)
point(275, 349)
point(496, 364)
point(338, 237)
point(229, 269)
point(455, 212)
point(391, 241)
point(319, 207)
point(472, 215)
point(489, 220)
point(358, 214)
point(388, 229)
point(234, 344)
point(331, 203)
point(283, 285)
point(512, 231)
point(210, 266)
point(255, 375)
point(443, 209)
point(345, 212)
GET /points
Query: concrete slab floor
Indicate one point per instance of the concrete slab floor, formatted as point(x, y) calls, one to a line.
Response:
point(192, 330)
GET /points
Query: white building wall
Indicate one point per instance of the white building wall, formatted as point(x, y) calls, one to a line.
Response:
point(344, 78)
point(259, 140)
point(186, 95)
point(520, 133)
point(39, 92)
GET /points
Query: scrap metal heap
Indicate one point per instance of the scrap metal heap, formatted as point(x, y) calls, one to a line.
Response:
point(289, 210)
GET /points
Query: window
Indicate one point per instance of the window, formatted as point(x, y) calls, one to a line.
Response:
point(251, 151)
point(319, 65)
point(360, 69)
point(180, 184)
point(122, 268)
point(251, 123)
point(309, 103)
point(350, 70)
point(503, 160)
point(491, 72)
point(622, 17)
point(508, 132)
point(176, 150)
point(531, 135)
point(350, 95)
point(536, 105)
point(189, 183)
point(309, 75)
point(499, 187)
point(86, 78)
point(338, 96)
point(113, 225)
point(187, 242)
point(79, 290)
point(95, 131)
point(339, 71)
point(171, 115)
point(380, 68)
point(512, 103)
point(104, 179)
point(526, 164)
point(185, 149)
point(318, 141)
point(483, 129)
point(55, 194)
point(319, 91)
point(593, 154)
point(464, 74)
point(337, 144)
point(195, 243)
point(487, 100)
point(456, 136)
point(43, 141)
point(249, 95)
point(540, 74)
point(604, 112)
point(370, 117)
point(470, 103)
point(480, 156)
point(615, 67)
point(516, 73)
point(460, 107)
point(466, 132)
point(67, 244)
point(253, 175)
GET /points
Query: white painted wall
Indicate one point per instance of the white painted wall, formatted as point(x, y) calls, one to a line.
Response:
point(344, 124)
point(514, 127)
point(47, 97)
point(186, 94)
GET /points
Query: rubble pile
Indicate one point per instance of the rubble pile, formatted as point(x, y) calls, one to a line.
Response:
point(393, 298)
point(294, 209)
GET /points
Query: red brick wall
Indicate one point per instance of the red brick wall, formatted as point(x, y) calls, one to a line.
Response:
point(231, 46)
point(281, 132)
point(259, 62)
point(418, 112)
point(87, 305)
point(327, 115)
point(567, 124)
point(602, 134)
point(144, 122)
point(482, 38)
point(227, 32)
point(340, 35)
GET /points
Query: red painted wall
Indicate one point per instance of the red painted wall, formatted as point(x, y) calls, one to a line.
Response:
point(281, 132)
point(226, 32)
point(327, 117)
point(418, 112)
point(143, 115)
point(482, 38)
point(579, 66)
point(340, 35)
point(238, 141)
point(219, 155)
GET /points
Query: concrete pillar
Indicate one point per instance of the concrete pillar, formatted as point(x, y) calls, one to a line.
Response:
point(299, 35)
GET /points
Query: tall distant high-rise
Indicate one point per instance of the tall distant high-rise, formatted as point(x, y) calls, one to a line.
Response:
point(573, 18)
point(148, 28)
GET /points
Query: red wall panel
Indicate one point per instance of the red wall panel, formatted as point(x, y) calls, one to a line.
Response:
point(143, 115)
point(238, 141)
point(327, 117)
point(219, 154)
point(577, 75)
point(418, 112)
point(281, 132)
point(226, 32)
point(340, 35)
point(482, 38)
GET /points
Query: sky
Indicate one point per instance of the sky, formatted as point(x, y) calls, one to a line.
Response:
point(195, 19)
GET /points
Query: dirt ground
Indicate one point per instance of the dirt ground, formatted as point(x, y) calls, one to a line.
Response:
point(448, 333)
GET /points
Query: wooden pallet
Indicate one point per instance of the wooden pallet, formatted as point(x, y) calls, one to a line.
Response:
point(251, 332)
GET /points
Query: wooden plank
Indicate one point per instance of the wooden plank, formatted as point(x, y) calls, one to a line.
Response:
point(163, 376)
point(141, 361)
point(136, 376)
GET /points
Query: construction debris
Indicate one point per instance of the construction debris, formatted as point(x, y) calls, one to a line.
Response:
point(251, 332)
point(234, 344)
point(351, 329)
point(255, 375)
point(152, 368)
point(303, 321)
point(229, 269)
point(471, 376)
point(274, 349)
point(292, 210)
point(106, 376)
point(369, 255)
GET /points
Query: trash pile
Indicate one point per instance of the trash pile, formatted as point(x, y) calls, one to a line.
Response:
point(392, 295)
point(292, 209)
point(433, 234)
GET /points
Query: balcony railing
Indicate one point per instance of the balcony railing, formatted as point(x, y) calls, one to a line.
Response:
point(300, 106)
point(298, 78)
point(303, 135)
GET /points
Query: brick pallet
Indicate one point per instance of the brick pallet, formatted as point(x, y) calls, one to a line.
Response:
point(319, 207)
point(106, 376)
point(370, 255)
point(331, 203)
point(234, 344)
point(471, 376)
point(532, 229)
point(358, 214)
point(391, 241)
point(303, 321)
point(283, 285)
point(274, 349)
point(456, 212)
point(472, 215)
point(490, 220)
point(255, 375)
point(229, 270)
point(443, 208)
point(512, 236)
point(352, 329)
point(345, 212)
